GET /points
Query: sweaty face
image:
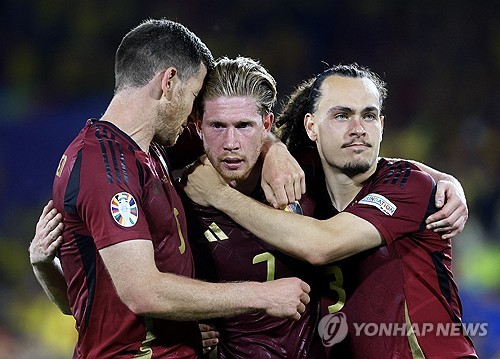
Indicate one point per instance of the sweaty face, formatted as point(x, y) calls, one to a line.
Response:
point(233, 132)
point(347, 125)
point(173, 116)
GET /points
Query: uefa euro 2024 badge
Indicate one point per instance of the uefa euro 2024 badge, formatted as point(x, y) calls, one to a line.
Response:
point(124, 209)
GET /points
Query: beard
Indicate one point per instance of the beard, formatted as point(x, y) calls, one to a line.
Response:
point(169, 125)
point(352, 169)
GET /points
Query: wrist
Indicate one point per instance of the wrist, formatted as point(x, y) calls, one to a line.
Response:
point(42, 264)
point(270, 143)
point(254, 292)
point(221, 197)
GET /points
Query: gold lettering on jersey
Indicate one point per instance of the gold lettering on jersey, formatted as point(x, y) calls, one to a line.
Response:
point(271, 263)
point(145, 350)
point(336, 285)
point(219, 233)
point(60, 167)
point(182, 247)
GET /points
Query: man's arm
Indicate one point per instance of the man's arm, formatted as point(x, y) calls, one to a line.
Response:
point(450, 198)
point(45, 265)
point(146, 291)
point(149, 292)
point(316, 241)
point(283, 180)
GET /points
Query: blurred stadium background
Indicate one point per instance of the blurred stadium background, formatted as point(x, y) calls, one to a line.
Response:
point(441, 61)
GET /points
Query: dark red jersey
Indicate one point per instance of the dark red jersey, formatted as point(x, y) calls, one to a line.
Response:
point(400, 300)
point(224, 251)
point(110, 191)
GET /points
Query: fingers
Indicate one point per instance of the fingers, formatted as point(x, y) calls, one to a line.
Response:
point(290, 194)
point(304, 300)
point(305, 287)
point(450, 219)
point(282, 195)
point(451, 234)
point(56, 225)
point(440, 195)
point(46, 209)
point(444, 220)
point(269, 193)
point(52, 248)
point(209, 337)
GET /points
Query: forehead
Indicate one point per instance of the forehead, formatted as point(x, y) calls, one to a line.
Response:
point(348, 92)
point(231, 108)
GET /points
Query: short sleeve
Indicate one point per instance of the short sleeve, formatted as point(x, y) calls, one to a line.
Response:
point(110, 194)
point(396, 207)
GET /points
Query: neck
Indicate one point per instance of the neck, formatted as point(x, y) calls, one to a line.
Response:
point(343, 188)
point(130, 113)
point(250, 183)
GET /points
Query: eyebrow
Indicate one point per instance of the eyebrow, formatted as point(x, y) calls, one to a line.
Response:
point(350, 110)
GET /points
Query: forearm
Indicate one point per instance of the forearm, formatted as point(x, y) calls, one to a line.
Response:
point(315, 241)
point(299, 236)
point(149, 292)
point(186, 299)
point(269, 142)
point(51, 278)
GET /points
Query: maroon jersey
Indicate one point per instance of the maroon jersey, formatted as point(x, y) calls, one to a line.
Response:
point(400, 300)
point(110, 191)
point(225, 251)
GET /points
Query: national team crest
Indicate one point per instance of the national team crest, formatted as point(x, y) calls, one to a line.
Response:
point(124, 209)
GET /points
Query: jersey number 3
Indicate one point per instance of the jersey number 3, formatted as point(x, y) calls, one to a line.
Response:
point(336, 286)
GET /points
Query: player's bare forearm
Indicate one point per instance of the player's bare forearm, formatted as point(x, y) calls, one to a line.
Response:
point(45, 264)
point(148, 292)
point(50, 277)
point(283, 180)
point(316, 241)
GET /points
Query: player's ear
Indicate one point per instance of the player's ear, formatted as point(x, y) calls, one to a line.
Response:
point(310, 126)
point(197, 122)
point(267, 121)
point(169, 81)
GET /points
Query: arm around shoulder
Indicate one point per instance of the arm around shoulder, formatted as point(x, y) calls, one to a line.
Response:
point(149, 292)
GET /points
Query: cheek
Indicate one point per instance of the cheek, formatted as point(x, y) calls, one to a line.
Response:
point(254, 146)
point(211, 142)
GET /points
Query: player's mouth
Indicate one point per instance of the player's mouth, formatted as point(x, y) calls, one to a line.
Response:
point(232, 163)
point(356, 145)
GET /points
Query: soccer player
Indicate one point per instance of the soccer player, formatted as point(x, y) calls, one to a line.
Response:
point(234, 117)
point(126, 269)
point(240, 336)
point(402, 270)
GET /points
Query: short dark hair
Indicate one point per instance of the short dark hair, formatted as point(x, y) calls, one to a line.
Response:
point(289, 126)
point(155, 45)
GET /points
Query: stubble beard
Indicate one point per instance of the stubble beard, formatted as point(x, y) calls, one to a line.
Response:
point(352, 169)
